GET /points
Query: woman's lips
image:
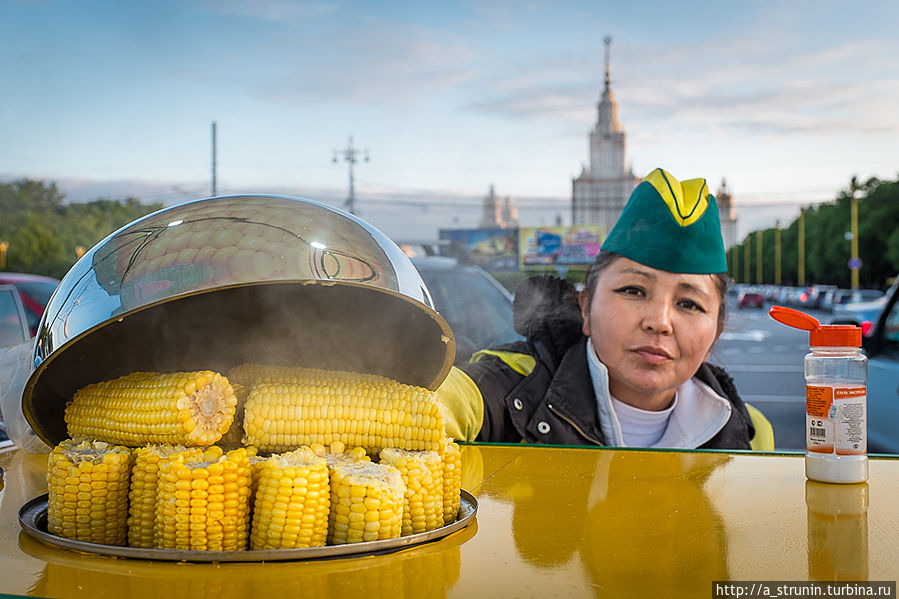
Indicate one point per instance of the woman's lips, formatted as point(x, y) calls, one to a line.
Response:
point(653, 355)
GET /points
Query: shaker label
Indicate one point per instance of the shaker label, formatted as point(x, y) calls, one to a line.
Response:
point(836, 420)
point(851, 421)
point(818, 401)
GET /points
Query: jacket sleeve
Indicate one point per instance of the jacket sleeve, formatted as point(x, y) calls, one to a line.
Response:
point(463, 405)
point(495, 378)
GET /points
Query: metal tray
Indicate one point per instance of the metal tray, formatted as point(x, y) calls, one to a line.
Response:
point(33, 520)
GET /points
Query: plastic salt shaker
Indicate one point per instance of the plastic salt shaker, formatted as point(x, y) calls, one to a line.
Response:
point(836, 373)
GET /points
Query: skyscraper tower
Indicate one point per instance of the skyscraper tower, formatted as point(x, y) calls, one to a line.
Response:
point(727, 214)
point(600, 192)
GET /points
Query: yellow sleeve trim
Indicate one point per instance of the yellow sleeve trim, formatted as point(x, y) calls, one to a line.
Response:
point(764, 432)
point(523, 364)
point(462, 405)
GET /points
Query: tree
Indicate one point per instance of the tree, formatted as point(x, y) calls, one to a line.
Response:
point(43, 231)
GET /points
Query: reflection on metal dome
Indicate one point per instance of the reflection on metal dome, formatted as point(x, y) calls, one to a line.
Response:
point(220, 281)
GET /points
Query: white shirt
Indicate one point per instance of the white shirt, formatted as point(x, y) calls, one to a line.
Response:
point(695, 416)
point(641, 428)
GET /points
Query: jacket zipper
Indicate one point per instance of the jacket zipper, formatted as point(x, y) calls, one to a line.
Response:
point(573, 424)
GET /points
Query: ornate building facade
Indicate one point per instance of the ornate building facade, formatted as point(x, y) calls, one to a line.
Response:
point(498, 214)
point(600, 192)
point(727, 214)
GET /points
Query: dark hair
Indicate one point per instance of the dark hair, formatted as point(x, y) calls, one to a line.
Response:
point(604, 258)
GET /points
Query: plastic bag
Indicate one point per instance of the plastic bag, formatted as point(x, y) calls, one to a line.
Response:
point(15, 368)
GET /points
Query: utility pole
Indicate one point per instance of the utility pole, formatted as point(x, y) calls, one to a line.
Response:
point(801, 274)
point(213, 158)
point(735, 259)
point(778, 272)
point(747, 257)
point(758, 257)
point(349, 154)
point(855, 262)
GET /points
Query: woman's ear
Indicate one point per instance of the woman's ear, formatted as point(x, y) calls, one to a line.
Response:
point(583, 301)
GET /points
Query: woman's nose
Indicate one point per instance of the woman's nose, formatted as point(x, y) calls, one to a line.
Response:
point(657, 318)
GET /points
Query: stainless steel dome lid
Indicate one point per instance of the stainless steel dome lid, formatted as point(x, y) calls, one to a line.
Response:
point(216, 282)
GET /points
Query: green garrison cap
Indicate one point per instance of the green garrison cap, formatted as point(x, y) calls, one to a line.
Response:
point(671, 226)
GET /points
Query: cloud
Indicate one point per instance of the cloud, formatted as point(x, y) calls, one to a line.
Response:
point(761, 86)
point(367, 61)
point(271, 10)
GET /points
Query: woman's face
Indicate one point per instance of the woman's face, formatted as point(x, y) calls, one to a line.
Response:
point(651, 328)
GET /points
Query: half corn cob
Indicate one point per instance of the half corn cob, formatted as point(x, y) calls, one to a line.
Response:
point(142, 526)
point(233, 438)
point(366, 502)
point(204, 506)
point(422, 474)
point(188, 408)
point(452, 481)
point(292, 502)
point(88, 485)
point(358, 410)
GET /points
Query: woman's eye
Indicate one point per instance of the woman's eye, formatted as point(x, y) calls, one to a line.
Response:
point(629, 290)
point(691, 305)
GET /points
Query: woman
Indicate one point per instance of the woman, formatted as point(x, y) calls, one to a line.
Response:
point(623, 362)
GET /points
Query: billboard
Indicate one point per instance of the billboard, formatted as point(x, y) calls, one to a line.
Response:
point(550, 247)
point(491, 249)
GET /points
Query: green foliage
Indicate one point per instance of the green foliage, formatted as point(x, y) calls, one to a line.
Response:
point(827, 248)
point(43, 232)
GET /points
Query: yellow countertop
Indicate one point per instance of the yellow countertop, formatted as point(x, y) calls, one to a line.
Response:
point(551, 522)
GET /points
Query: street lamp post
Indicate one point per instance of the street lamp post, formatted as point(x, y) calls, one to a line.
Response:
point(854, 260)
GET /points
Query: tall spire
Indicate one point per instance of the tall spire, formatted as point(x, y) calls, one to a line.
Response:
point(608, 42)
point(607, 121)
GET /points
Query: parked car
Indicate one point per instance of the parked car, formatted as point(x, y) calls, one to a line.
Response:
point(864, 295)
point(750, 299)
point(811, 298)
point(13, 331)
point(476, 306)
point(882, 348)
point(34, 291)
point(863, 314)
point(833, 298)
point(13, 321)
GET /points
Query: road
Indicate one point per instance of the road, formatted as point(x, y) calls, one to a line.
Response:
point(765, 359)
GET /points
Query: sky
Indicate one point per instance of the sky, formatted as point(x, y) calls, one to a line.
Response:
point(786, 100)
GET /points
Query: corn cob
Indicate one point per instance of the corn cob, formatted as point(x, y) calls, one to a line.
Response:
point(292, 502)
point(141, 408)
point(452, 481)
point(366, 503)
point(326, 406)
point(256, 464)
point(249, 374)
point(422, 474)
point(204, 506)
point(142, 495)
point(88, 485)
